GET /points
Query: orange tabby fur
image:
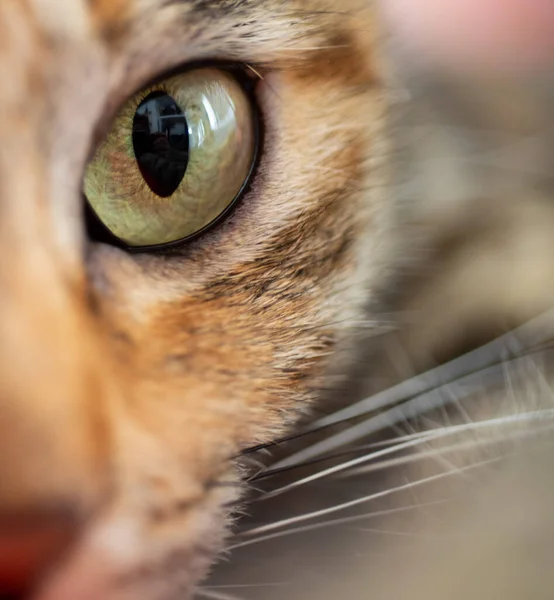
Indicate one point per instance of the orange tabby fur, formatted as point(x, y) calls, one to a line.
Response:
point(129, 382)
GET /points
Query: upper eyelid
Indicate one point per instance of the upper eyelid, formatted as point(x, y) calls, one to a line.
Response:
point(250, 74)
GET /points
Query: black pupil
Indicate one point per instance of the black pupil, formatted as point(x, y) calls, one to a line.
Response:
point(161, 142)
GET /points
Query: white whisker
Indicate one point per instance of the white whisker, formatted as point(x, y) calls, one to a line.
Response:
point(245, 585)
point(213, 595)
point(462, 388)
point(331, 523)
point(352, 503)
point(438, 452)
point(414, 440)
point(510, 345)
point(412, 458)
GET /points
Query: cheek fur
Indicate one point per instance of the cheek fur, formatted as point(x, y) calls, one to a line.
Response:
point(184, 359)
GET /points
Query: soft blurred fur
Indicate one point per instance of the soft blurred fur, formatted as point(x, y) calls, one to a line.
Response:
point(129, 383)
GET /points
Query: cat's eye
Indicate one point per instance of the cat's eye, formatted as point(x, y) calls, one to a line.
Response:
point(178, 155)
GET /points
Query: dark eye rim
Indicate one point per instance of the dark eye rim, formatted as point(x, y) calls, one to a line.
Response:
point(97, 231)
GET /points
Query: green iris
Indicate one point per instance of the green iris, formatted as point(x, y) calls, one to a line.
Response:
point(178, 155)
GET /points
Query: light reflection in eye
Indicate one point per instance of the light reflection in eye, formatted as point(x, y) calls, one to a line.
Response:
point(177, 157)
point(212, 118)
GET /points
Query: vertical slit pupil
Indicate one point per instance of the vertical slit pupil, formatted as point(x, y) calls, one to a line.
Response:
point(161, 143)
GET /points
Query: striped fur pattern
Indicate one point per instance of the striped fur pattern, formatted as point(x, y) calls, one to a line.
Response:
point(129, 382)
point(437, 482)
point(140, 393)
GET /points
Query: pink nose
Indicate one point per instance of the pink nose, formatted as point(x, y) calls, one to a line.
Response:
point(28, 547)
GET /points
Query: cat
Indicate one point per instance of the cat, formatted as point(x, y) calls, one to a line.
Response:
point(436, 480)
point(135, 365)
point(198, 221)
